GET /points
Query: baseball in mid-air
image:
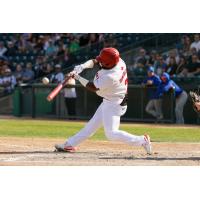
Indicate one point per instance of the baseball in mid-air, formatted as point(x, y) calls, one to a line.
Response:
point(45, 81)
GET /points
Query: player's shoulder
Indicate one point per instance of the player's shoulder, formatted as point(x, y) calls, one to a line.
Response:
point(121, 62)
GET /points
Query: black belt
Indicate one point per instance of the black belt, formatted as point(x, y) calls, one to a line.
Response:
point(125, 100)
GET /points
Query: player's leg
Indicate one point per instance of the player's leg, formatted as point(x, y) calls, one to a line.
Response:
point(158, 108)
point(90, 128)
point(180, 102)
point(150, 108)
point(111, 121)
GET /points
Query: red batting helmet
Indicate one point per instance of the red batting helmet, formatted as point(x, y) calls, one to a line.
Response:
point(108, 57)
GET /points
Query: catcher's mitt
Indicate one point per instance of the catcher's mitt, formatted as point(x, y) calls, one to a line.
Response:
point(195, 101)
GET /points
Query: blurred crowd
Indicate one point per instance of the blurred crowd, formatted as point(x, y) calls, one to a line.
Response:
point(26, 57)
point(182, 61)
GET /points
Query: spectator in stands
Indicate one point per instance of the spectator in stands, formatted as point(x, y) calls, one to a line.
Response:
point(184, 46)
point(74, 45)
point(45, 41)
point(28, 75)
point(141, 63)
point(56, 37)
point(70, 97)
point(60, 57)
point(48, 72)
point(192, 68)
point(22, 44)
point(38, 67)
point(160, 66)
point(40, 43)
point(11, 50)
point(3, 49)
point(196, 43)
point(187, 43)
point(8, 82)
point(181, 66)
point(51, 50)
point(192, 52)
point(173, 54)
point(84, 40)
point(61, 50)
point(101, 37)
point(180, 95)
point(154, 105)
point(153, 58)
point(18, 74)
point(110, 41)
point(4, 67)
point(142, 59)
point(58, 76)
point(171, 67)
point(93, 38)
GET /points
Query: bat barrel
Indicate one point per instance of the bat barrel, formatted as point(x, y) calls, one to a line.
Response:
point(54, 93)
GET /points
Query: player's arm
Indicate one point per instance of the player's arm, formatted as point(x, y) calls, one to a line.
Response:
point(91, 87)
point(88, 64)
point(88, 85)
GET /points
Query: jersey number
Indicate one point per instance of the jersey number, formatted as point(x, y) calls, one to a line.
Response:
point(124, 74)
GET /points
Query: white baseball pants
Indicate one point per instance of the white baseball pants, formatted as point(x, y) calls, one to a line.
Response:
point(108, 115)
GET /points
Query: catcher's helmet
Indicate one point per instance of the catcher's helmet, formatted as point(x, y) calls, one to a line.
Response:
point(108, 57)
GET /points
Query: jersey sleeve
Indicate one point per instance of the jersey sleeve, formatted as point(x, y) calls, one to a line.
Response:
point(103, 82)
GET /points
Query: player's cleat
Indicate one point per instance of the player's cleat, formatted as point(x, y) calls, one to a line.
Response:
point(147, 145)
point(64, 148)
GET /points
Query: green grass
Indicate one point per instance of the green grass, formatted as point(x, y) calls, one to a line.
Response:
point(62, 129)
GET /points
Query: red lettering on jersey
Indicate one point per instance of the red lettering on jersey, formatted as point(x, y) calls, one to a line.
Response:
point(123, 75)
point(122, 68)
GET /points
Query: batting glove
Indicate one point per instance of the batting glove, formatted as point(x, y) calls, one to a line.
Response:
point(78, 69)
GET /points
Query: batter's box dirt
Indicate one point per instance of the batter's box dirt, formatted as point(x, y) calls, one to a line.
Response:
point(39, 151)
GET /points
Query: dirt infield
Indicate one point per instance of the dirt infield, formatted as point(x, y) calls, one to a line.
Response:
point(40, 151)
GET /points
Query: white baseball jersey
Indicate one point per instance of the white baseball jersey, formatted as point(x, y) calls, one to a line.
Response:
point(113, 83)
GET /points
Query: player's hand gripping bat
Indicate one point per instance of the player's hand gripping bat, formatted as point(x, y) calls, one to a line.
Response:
point(77, 70)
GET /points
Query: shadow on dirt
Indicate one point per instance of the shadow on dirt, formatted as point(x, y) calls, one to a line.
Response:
point(150, 158)
point(47, 152)
point(26, 152)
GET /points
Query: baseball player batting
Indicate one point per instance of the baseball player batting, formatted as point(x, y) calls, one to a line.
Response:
point(111, 83)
